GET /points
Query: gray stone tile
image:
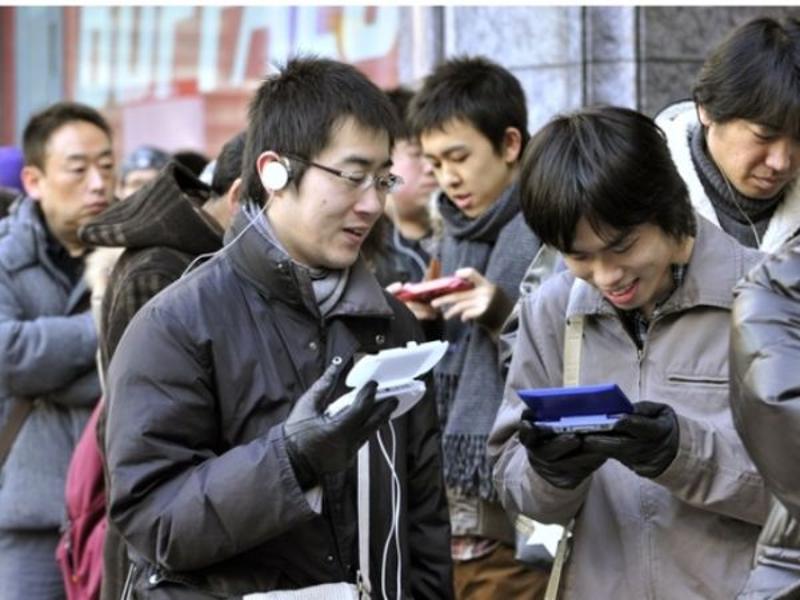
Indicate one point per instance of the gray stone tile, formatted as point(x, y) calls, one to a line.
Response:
point(689, 32)
point(665, 82)
point(549, 91)
point(611, 83)
point(611, 33)
point(518, 36)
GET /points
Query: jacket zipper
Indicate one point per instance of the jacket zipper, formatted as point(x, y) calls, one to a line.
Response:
point(127, 589)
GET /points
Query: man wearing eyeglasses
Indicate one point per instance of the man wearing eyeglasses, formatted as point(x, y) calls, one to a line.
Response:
point(228, 479)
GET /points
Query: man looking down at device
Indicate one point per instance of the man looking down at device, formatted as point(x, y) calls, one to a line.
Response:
point(471, 119)
point(667, 504)
point(228, 478)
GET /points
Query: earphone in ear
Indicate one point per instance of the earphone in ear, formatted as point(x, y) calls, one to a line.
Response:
point(275, 176)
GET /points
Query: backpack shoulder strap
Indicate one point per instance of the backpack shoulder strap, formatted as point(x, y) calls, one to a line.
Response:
point(573, 343)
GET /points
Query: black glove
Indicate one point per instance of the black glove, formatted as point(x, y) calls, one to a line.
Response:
point(317, 443)
point(645, 441)
point(560, 458)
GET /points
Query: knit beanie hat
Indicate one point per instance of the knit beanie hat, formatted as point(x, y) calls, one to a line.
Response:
point(144, 157)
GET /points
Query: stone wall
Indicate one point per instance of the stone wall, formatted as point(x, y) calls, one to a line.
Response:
point(570, 56)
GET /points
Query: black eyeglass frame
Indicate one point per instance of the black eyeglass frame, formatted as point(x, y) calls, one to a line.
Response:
point(384, 184)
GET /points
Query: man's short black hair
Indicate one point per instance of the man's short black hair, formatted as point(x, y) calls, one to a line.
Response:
point(475, 90)
point(754, 74)
point(229, 165)
point(43, 124)
point(400, 98)
point(295, 112)
point(610, 165)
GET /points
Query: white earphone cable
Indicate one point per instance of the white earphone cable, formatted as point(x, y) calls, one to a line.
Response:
point(252, 221)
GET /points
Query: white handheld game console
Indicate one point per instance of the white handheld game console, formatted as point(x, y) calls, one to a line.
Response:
point(394, 370)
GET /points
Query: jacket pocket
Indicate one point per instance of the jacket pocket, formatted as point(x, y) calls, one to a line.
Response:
point(697, 379)
point(159, 583)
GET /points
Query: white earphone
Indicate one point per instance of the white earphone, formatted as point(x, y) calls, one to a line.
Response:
point(275, 176)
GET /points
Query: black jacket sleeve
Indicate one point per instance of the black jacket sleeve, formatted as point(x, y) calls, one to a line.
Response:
point(765, 380)
point(176, 497)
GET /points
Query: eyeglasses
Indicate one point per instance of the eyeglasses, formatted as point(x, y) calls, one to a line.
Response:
point(384, 184)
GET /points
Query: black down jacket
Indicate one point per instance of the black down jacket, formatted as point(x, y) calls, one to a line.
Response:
point(201, 485)
point(765, 399)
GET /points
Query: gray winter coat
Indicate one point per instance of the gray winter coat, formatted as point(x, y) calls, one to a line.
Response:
point(690, 533)
point(765, 384)
point(47, 355)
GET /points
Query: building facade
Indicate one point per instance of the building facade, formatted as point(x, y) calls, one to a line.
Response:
point(181, 76)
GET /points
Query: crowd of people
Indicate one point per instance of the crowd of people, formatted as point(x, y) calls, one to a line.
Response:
point(173, 331)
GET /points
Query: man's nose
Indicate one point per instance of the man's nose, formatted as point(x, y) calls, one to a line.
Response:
point(782, 153)
point(371, 201)
point(607, 275)
point(97, 178)
point(450, 177)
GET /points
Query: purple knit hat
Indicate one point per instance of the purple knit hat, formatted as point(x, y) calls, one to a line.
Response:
point(11, 162)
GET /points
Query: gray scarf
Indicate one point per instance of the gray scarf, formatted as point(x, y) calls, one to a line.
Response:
point(733, 209)
point(328, 284)
point(469, 386)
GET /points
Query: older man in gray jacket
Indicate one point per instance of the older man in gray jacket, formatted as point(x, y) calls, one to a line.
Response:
point(48, 380)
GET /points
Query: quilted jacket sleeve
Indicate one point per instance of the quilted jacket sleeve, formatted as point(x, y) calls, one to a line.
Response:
point(172, 489)
point(43, 354)
point(765, 380)
point(534, 364)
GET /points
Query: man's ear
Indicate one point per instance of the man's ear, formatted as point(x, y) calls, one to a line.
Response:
point(32, 181)
point(232, 198)
point(512, 145)
point(273, 171)
point(703, 115)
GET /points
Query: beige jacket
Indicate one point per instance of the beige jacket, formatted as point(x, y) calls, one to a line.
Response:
point(691, 532)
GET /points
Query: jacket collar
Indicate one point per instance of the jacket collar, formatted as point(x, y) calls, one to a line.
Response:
point(705, 283)
point(26, 240)
point(25, 245)
point(278, 277)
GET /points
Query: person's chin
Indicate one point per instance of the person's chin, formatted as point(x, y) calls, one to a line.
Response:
point(340, 261)
point(762, 189)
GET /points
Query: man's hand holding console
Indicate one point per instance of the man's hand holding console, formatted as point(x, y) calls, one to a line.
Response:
point(318, 443)
point(645, 441)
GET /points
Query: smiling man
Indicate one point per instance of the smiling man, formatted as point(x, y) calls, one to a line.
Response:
point(666, 504)
point(48, 380)
point(737, 146)
point(227, 476)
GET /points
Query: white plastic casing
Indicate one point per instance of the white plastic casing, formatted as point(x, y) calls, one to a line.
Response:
point(394, 370)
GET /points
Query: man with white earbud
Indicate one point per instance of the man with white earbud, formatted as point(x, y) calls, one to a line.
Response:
point(228, 476)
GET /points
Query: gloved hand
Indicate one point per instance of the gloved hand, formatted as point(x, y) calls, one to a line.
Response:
point(646, 441)
point(560, 458)
point(317, 443)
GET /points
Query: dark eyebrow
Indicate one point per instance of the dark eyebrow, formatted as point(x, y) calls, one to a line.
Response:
point(84, 157)
point(621, 237)
point(769, 129)
point(447, 151)
point(364, 162)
